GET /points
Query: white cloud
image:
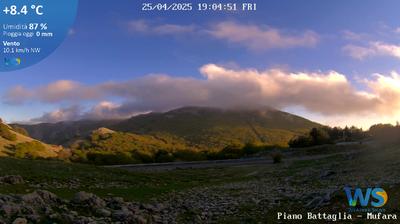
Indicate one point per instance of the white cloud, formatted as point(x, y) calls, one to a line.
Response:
point(352, 36)
point(388, 87)
point(102, 110)
point(63, 114)
point(329, 94)
point(62, 90)
point(262, 38)
point(105, 110)
point(144, 26)
point(373, 49)
point(358, 52)
point(387, 49)
point(253, 37)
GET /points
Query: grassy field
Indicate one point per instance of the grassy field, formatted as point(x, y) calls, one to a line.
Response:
point(65, 179)
point(251, 194)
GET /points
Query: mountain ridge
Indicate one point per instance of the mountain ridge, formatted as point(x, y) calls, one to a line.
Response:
point(199, 126)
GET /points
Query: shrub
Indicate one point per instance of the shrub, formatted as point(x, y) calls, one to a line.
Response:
point(250, 149)
point(143, 156)
point(230, 152)
point(317, 136)
point(276, 157)
point(6, 133)
point(189, 155)
point(328, 135)
point(301, 141)
point(78, 156)
point(29, 149)
point(385, 133)
point(64, 154)
point(163, 156)
point(101, 158)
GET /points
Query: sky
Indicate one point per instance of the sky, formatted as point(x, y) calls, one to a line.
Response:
point(334, 62)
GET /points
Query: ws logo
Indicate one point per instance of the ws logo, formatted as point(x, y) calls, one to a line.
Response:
point(378, 194)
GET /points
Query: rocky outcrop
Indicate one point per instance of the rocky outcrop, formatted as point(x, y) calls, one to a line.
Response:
point(45, 207)
point(11, 179)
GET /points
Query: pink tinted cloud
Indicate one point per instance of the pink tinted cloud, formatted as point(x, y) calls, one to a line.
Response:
point(329, 93)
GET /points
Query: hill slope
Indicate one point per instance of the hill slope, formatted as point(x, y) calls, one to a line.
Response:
point(198, 126)
point(107, 147)
point(211, 127)
point(64, 133)
point(13, 143)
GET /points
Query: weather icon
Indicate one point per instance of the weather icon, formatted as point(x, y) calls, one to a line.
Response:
point(12, 61)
